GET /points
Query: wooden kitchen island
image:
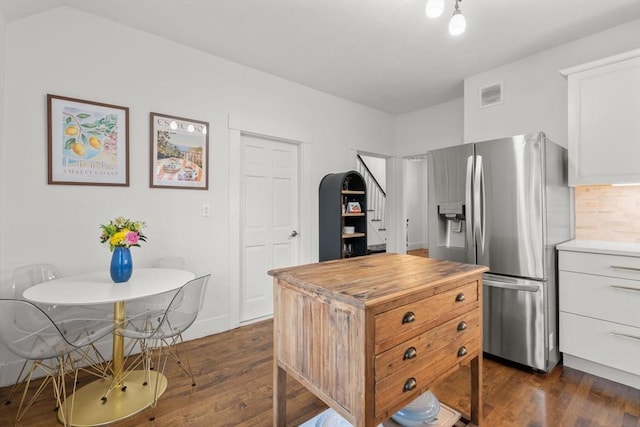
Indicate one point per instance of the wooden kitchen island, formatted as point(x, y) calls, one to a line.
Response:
point(368, 335)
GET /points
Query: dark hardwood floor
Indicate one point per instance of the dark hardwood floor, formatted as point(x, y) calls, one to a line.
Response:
point(234, 385)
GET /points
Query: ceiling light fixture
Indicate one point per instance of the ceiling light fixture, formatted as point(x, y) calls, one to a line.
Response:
point(457, 24)
point(434, 8)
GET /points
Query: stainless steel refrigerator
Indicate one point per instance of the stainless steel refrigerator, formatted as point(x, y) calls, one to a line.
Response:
point(506, 204)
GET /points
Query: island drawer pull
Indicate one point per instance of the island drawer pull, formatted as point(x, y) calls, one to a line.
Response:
point(408, 317)
point(622, 267)
point(409, 385)
point(410, 353)
point(462, 351)
point(462, 326)
point(626, 288)
point(460, 297)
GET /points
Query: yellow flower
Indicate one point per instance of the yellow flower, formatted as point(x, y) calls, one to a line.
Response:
point(118, 237)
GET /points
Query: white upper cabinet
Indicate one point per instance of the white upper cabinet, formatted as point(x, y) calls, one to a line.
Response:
point(604, 120)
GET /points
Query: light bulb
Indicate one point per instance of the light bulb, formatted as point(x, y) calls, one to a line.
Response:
point(173, 125)
point(434, 8)
point(457, 24)
point(190, 128)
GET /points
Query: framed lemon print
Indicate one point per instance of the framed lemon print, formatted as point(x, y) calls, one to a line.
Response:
point(88, 142)
point(179, 152)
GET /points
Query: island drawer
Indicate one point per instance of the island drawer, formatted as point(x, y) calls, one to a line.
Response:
point(398, 323)
point(419, 350)
point(406, 385)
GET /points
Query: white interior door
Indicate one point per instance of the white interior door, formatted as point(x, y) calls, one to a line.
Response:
point(270, 220)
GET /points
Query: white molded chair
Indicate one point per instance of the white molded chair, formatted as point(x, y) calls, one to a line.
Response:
point(161, 332)
point(25, 277)
point(155, 304)
point(30, 275)
point(56, 349)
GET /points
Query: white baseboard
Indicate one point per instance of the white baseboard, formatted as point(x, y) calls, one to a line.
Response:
point(256, 320)
point(603, 371)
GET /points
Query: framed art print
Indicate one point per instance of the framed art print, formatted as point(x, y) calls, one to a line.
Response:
point(179, 152)
point(88, 142)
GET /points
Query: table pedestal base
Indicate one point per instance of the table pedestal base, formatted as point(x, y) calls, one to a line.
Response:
point(86, 407)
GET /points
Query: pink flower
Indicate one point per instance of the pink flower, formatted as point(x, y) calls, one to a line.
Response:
point(132, 238)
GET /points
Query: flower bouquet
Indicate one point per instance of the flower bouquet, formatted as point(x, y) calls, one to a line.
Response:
point(122, 233)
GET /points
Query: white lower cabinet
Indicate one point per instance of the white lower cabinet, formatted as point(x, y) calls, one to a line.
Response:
point(611, 344)
point(599, 302)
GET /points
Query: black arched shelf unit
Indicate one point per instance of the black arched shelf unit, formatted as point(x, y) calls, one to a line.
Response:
point(342, 203)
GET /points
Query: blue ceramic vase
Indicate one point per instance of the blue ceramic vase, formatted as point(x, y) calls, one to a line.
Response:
point(121, 264)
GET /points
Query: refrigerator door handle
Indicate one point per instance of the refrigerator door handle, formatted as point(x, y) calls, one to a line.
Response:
point(513, 286)
point(483, 199)
point(478, 206)
point(467, 197)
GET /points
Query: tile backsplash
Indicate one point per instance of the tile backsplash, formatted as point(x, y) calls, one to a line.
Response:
point(608, 213)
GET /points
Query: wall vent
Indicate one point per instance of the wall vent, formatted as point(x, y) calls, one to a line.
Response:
point(491, 95)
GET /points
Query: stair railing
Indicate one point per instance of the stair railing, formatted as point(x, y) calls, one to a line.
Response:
point(376, 197)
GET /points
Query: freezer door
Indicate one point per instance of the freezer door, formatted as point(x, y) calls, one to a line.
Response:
point(450, 174)
point(514, 323)
point(508, 216)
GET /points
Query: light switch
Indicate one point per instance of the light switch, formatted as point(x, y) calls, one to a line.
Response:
point(205, 210)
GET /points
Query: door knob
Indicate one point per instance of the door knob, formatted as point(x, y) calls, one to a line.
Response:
point(294, 233)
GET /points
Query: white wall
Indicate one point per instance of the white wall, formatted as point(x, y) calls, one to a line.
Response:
point(55, 52)
point(416, 134)
point(430, 128)
point(535, 93)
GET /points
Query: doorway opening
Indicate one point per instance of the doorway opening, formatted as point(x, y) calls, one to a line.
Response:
point(374, 171)
point(416, 199)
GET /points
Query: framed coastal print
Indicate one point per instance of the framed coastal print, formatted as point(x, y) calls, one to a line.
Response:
point(88, 142)
point(179, 152)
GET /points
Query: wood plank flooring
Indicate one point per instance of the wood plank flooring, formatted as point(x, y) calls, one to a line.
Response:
point(419, 252)
point(234, 386)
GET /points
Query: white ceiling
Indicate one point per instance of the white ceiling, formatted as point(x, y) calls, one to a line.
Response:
point(385, 54)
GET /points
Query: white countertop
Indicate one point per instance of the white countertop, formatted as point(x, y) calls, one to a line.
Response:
point(600, 247)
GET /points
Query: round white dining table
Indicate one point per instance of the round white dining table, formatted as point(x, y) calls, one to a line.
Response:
point(98, 288)
point(126, 392)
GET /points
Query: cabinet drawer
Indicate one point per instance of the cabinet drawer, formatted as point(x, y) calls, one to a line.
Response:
point(406, 385)
point(610, 344)
point(606, 298)
point(417, 351)
point(624, 267)
point(399, 322)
